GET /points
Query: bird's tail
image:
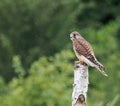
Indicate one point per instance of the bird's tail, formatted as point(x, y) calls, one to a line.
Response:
point(97, 64)
point(100, 68)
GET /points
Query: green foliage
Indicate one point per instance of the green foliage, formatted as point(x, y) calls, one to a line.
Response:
point(48, 83)
point(36, 58)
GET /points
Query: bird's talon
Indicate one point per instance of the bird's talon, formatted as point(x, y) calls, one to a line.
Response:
point(77, 62)
point(80, 62)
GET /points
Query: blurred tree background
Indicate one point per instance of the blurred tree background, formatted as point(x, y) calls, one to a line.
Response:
point(36, 58)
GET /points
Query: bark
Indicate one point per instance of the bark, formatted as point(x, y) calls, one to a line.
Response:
point(80, 86)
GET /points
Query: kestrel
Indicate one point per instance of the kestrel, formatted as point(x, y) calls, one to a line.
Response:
point(84, 52)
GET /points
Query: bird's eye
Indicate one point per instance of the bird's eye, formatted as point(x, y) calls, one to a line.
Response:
point(74, 35)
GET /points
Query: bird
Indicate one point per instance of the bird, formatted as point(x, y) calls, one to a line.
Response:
point(84, 52)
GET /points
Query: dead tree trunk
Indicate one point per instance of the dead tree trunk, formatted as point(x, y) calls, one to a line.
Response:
point(80, 86)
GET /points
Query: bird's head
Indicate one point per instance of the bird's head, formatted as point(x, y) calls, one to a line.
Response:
point(74, 35)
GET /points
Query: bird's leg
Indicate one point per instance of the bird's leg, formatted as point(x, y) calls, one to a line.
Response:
point(80, 62)
point(77, 62)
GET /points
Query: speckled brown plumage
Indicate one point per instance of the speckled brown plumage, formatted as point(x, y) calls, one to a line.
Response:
point(82, 47)
point(84, 51)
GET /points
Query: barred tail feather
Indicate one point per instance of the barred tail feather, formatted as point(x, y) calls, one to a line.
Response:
point(92, 61)
point(101, 68)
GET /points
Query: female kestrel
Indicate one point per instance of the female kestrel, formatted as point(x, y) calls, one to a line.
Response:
point(84, 52)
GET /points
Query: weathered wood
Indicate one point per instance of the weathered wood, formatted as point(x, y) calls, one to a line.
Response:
point(80, 86)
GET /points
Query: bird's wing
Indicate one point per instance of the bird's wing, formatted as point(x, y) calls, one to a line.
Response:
point(98, 65)
point(82, 47)
point(93, 59)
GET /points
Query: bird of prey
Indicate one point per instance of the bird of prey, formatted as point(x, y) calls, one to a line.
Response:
point(84, 52)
